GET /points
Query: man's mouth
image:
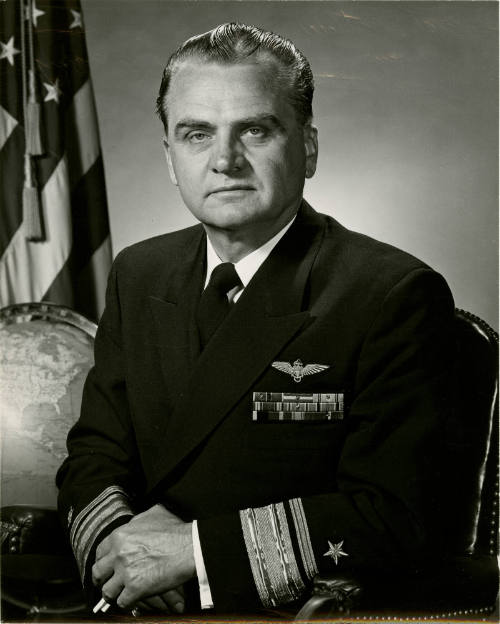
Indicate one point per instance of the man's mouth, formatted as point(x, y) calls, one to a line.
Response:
point(232, 189)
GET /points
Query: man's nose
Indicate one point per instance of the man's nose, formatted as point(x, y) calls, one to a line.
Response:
point(227, 155)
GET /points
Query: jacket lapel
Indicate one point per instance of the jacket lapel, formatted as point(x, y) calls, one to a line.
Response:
point(267, 315)
point(173, 308)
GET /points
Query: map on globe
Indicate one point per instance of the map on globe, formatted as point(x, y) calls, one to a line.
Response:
point(43, 365)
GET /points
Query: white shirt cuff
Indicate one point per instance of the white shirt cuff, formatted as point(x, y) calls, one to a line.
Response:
point(205, 594)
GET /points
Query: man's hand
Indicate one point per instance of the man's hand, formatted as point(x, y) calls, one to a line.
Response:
point(169, 602)
point(146, 559)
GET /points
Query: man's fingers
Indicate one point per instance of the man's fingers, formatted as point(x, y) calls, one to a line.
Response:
point(103, 548)
point(148, 556)
point(171, 601)
point(180, 589)
point(154, 603)
point(128, 598)
point(112, 588)
point(174, 599)
point(102, 570)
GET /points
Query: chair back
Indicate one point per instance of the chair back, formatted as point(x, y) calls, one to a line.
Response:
point(464, 583)
point(46, 351)
point(473, 439)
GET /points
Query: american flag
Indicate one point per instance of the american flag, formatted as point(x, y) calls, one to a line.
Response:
point(54, 230)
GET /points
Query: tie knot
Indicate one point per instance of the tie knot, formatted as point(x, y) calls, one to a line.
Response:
point(224, 277)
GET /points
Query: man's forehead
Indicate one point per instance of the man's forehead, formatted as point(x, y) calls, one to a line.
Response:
point(198, 78)
point(263, 63)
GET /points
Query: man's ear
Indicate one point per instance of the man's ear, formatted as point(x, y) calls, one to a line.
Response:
point(311, 146)
point(171, 171)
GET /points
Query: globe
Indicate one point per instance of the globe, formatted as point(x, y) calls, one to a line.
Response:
point(45, 354)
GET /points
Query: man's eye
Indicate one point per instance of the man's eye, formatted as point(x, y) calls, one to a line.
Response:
point(255, 131)
point(197, 137)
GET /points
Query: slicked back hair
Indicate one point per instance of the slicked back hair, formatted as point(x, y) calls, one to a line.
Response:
point(234, 43)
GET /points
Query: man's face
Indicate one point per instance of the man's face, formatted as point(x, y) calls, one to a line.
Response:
point(235, 147)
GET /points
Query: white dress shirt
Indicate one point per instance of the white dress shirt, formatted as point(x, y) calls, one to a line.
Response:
point(246, 269)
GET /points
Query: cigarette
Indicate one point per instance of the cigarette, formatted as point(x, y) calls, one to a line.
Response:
point(102, 605)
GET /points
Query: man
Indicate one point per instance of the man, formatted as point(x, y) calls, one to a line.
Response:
point(270, 389)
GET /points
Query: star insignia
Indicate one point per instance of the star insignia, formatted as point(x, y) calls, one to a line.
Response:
point(53, 91)
point(77, 19)
point(8, 50)
point(335, 551)
point(35, 14)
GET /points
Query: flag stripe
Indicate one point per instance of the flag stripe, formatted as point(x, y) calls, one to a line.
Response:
point(85, 290)
point(27, 268)
point(83, 154)
point(77, 227)
point(90, 234)
point(95, 278)
point(84, 149)
point(11, 187)
point(90, 218)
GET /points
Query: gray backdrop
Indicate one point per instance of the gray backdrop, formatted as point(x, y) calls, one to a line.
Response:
point(406, 107)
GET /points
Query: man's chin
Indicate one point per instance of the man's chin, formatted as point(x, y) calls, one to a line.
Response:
point(228, 224)
point(230, 216)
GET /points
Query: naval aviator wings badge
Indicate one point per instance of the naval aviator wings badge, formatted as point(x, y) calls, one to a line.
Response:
point(297, 370)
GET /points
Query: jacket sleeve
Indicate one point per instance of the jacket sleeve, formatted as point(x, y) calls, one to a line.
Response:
point(384, 510)
point(99, 478)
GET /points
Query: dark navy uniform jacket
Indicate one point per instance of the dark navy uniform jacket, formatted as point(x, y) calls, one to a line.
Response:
point(276, 501)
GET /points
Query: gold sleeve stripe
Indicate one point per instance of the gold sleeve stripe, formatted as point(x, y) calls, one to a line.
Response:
point(287, 555)
point(257, 564)
point(270, 552)
point(303, 538)
point(105, 508)
point(88, 509)
point(112, 511)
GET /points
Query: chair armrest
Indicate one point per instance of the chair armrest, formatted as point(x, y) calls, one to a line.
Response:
point(34, 547)
point(331, 595)
point(463, 585)
point(27, 529)
point(39, 572)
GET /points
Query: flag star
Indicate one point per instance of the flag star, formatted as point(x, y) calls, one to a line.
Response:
point(335, 551)
point(77, 19)
point(35, 14)
point(8, 50)
point(53, 91)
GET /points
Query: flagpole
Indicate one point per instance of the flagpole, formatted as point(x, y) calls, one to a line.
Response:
point(31, 201)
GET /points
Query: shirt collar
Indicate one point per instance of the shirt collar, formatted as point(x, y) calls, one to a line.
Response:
point(250, 264)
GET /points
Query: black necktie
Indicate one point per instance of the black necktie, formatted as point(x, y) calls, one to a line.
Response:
point(214, 304)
